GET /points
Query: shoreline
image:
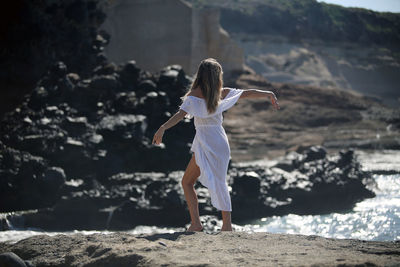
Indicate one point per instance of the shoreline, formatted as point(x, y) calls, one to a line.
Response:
point(203, 249)
point(17, 234)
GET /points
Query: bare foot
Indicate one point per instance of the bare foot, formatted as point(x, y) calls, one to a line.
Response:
point(195, 228)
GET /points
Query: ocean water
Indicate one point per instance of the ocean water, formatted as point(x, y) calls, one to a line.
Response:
point(372, 219)
point(376, 218)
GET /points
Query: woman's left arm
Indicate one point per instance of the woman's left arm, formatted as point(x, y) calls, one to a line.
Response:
point(255, 93)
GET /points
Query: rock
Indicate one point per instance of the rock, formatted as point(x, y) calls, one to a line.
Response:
point(174, 82)
point(120, 127)
point(145, 86)
point(10, 259)
point(129, 75)
point(107, 69)
point(104, 84)
point(246, 186)
point(308, 183)
point(124, 200)
point(53, 178)
point(126, 102)
point(314, 153)
point(27, 181)
point(58, 70)
point(73, 77)
point(76, 126)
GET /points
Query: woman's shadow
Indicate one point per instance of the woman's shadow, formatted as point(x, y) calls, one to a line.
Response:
point(172, 236)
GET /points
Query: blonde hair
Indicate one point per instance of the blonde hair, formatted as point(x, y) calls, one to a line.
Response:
point(209, 80)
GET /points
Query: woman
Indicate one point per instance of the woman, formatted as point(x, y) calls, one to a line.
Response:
point(205, 101)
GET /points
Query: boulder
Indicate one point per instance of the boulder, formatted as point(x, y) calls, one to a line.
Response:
point(10, 259)
point(27, 181)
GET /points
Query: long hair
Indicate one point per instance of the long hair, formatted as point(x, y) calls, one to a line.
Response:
point(209, 80)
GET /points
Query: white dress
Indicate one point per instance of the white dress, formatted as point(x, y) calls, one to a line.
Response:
point(211, 147)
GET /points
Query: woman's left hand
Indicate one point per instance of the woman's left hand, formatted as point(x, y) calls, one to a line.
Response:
point(157, 139)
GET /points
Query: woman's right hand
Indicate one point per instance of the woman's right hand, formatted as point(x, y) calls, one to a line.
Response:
point(274, 101)
point(157, 139)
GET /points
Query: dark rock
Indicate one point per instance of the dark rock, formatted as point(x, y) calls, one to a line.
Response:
point(50, 33)
point(76, 126)
point(168, 76)
point(125, 200)
point(27, 181)
point(174, 82)
point(53, 178)
point(73, 77)
point(10, 259)
point(126, 102)
point(104, 84)
point(129, 75)
point(314, 153)
point(246, 185)
point(107, 69)
point(58, 70)
point(119, 127)
point(145, 86)
point(299, 185)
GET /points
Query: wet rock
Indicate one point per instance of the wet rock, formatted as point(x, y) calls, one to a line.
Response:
point(246, 185)
point(314, 153)
point(301, 185)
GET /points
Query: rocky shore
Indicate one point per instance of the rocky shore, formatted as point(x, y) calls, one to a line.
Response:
point(76, 153)
point(201, 249)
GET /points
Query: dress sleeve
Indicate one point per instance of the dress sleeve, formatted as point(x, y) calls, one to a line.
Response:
point(231, 98)
point(187, 106)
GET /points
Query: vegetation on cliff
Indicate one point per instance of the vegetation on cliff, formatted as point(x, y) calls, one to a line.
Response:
point(307, 19)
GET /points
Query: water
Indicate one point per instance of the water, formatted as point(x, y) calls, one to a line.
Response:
point(372, 219)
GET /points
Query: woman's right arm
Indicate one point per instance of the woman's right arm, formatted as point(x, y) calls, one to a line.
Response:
point(178, 116)
point(256, 93)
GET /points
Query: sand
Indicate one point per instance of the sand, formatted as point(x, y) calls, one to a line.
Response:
point(203, 249)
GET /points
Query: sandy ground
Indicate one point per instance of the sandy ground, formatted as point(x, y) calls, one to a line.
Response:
point(203, 249)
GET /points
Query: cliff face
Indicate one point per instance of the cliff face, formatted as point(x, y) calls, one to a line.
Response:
point(372, 71)
point(301, 19)
point(312, 43)
point(157, 33)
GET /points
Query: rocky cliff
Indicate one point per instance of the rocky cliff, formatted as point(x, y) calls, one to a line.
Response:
point(157, 33)
point(308, 19)
point(313, 43)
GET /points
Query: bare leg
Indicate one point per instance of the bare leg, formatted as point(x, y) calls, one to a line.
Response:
point(226, 221)
point(189, 179)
